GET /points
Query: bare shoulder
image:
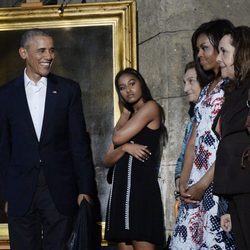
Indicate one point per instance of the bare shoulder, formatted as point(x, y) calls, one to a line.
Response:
point(152, 106)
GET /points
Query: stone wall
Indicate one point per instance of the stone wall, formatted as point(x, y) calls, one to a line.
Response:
point(165, 28)
point(164, 31)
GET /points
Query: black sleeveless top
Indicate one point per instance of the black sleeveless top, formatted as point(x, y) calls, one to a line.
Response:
point(135, 209)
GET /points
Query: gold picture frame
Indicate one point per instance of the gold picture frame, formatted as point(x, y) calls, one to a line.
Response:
point(113, 21)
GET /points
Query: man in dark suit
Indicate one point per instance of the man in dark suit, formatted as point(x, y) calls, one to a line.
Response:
point(45, 156)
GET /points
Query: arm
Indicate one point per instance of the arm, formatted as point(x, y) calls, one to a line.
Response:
point(187, 167)
point(5, 146)
point(150, 112)
point(113, 155)
point(123, 118)
point(5, 140)
point(198, 189)
point(180, 160)
point(178, 168)
point(80, 146)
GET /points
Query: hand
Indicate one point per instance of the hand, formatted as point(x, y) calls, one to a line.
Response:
point(185, 194)
point(139, 151)
point(125, 111)
point(82, 197)
point(225, 222)
point(197, 191)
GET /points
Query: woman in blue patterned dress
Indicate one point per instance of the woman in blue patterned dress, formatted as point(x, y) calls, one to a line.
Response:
point(198, 221)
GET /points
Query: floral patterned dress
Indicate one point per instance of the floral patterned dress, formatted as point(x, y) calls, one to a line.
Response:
point(198, 226)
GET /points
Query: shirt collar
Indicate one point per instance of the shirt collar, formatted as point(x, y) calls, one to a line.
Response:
point(28, 81)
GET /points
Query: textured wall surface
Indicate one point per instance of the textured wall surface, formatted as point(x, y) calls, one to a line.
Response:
point(164, 31)
point(165, 28)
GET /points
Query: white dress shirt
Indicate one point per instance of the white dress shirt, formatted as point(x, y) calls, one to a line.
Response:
point(36, 94)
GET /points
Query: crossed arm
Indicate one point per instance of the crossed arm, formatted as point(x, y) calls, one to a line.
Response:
point(126, 128)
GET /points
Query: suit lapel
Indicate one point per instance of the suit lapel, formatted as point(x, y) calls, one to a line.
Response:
point(22, 104)
point(50, 104)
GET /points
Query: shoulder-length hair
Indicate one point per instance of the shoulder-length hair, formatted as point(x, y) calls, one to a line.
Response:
point(240, 40)
point(214, 30)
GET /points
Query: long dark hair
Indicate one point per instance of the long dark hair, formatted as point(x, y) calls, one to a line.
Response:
point(214, 30)
point(146, 96)
point(240, 40)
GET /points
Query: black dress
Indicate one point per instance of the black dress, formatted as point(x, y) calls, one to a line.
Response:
point(231, 179)
point(135, 209)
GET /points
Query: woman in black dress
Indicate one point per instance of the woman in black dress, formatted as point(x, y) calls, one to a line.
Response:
point(232, 177)
point(135, 213)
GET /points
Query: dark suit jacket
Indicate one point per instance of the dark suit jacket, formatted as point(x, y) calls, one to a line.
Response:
point(230, 178)
point(63, 151)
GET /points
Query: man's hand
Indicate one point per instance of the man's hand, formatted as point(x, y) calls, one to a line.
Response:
point(82, 197)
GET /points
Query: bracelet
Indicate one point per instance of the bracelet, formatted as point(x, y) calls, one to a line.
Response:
point(176, 194)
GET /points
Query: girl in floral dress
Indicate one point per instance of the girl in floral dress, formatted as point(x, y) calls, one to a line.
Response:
point(198, 221)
